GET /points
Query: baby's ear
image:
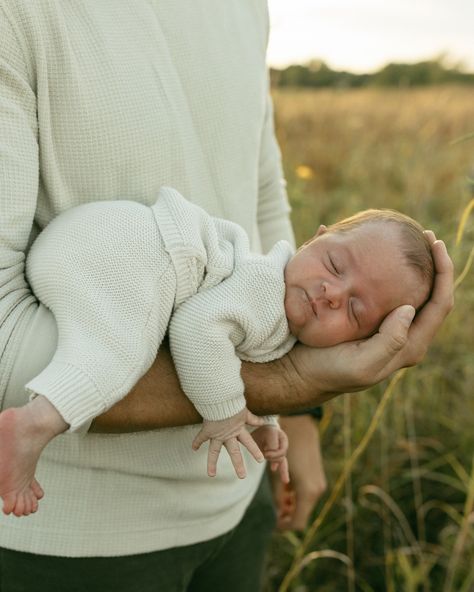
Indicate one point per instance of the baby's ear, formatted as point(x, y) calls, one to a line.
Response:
point(321, 230)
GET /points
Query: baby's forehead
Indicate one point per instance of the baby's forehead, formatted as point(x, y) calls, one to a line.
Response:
point(373, 234)
point(373, 248)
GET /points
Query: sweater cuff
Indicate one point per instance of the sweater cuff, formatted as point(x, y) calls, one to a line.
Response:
point(222, 409)
point(72, 392)
point(271, 420)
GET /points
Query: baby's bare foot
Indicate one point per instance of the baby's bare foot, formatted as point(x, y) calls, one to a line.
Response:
point(24, 432)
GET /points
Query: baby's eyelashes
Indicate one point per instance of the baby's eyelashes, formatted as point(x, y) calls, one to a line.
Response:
point(332, 266)
point(352, 312)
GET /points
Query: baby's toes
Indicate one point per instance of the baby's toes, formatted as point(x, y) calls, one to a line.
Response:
point(9, 502)
point(20, 504)
point(30, 500)
point(33, 502)
point(37, 489)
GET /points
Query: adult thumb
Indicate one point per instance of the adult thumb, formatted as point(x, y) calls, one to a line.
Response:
point(394, 328)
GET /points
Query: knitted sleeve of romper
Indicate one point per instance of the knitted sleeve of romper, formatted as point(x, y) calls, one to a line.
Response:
point(241, 318)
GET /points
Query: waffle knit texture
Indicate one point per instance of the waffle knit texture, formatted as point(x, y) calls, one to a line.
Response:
point(103, 100)
point(112, 272)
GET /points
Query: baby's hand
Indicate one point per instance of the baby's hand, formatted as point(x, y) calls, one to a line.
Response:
point(274, 443)
point(229, 432)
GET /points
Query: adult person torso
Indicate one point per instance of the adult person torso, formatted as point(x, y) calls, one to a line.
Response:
point(111, 100)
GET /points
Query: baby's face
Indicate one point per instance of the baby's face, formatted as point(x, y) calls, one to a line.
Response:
point(342, 285)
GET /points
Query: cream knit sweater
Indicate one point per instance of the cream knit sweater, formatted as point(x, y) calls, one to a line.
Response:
point(113, 273)
point(107, 100)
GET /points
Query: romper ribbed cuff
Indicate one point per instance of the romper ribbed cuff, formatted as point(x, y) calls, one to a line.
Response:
point(221, 409)
point(71, 391)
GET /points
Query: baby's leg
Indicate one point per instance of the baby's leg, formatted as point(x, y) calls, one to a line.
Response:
point(24, 432)
point(102, 270)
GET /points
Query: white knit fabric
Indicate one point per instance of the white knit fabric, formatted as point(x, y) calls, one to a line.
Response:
point(102, 269)
point(112, 272)
point(110, 100)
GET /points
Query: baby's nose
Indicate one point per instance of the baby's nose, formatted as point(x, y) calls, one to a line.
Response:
point(335, 293)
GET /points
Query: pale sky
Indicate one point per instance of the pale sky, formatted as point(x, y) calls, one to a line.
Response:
point(363, 35)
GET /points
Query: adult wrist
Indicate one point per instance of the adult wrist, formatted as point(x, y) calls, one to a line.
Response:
point(314, 412)
point(278, 388)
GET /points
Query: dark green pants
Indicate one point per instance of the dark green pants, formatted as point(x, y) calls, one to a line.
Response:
point(229, 563)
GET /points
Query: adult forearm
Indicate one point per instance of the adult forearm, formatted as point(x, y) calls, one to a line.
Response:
point(303, 378)
point(157, 400)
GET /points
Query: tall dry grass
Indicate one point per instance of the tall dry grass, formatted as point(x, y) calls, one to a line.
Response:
point(399, 514)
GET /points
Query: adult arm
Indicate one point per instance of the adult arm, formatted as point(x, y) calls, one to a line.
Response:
point(303, 378)
point(295, 500)
point(18, 195)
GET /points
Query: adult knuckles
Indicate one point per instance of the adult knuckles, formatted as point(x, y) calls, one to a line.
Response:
point(396, 342)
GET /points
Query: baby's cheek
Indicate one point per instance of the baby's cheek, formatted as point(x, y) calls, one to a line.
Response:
point(327, 334)
point(370, 330)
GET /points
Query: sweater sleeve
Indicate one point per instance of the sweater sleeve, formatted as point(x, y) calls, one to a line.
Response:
point(19, 165)
point(273, 207)
point(212, 331)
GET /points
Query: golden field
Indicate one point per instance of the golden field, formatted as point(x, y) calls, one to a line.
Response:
point(399, 512)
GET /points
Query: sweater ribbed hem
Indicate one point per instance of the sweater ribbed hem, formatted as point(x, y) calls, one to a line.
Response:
point(71, 391)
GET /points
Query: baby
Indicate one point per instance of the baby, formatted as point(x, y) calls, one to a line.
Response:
point(117, 275)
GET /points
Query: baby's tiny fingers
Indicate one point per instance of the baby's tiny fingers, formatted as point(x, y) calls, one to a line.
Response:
point(246, 439)
point(233, 448)
point(254, 420)
point(212, 457)
point(199, 439)
point(275, 455)
point(283, 441)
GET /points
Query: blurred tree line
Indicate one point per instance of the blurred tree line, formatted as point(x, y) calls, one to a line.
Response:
point(318, 74)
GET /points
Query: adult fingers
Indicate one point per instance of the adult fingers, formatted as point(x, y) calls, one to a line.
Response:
point(400, 342)
point(442, 299)
point(393, 332)
point(430, 235)
point(429, 319)
point(379, 356)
